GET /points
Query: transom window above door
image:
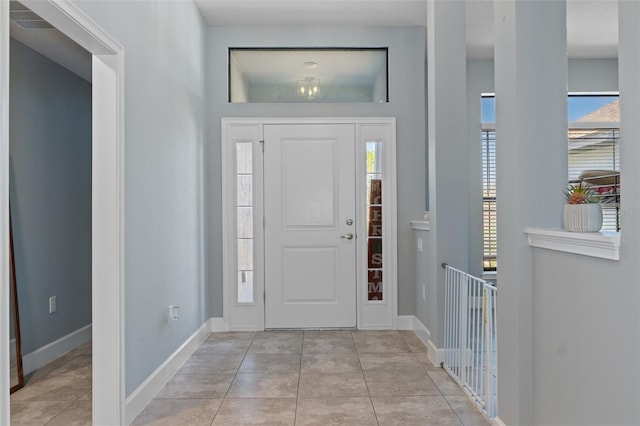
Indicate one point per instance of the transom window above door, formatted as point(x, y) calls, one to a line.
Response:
point(308, 75)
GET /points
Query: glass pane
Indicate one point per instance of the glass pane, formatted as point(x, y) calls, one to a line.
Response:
point(374, 221)
point(593, 108)
point(258, 75)
point(245, 222)
point(245, 286)
point(244, 158)
point(245, 255)
point(245, 190)
point(374, 289)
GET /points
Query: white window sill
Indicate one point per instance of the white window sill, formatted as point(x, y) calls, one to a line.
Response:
point(420, 225)
point(490, 275)
point(603, 244)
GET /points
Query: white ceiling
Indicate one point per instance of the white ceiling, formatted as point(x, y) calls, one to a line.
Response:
point(314, 12)
point(592, 25)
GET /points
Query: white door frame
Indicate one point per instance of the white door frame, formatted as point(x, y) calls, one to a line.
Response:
point(370, 314)
point(107, 204)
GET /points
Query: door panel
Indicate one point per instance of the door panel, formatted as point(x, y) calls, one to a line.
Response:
point(309, 187)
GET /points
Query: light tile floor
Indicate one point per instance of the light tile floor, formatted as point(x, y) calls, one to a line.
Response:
point(56, 394)
point(311, 378)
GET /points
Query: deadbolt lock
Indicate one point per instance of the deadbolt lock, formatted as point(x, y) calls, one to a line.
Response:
point(349, 222)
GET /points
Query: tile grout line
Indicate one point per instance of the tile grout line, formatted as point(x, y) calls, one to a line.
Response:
point(61, 411)
point(373, 407)
point(295, 413)
point(224, 398)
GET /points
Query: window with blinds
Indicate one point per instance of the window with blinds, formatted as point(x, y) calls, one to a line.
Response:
point(594, 158)
point(489, 220)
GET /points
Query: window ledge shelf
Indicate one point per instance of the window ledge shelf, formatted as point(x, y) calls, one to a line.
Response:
point(603, 244)
point(420, 225)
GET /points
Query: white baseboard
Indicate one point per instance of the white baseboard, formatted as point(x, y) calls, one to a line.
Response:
point(404, 322)
point(44, 355)
point(434, 354)
point(497, 422)
point(142, 396)
point(217, 325)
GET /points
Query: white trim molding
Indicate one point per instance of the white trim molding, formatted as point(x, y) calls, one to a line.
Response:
point(218, 325)
point(404, 322)
point(603, 244)
point(371, 315)
point(420, 225)
point(44, 355)
point(411, 322)
point(148, 389)
point(4, 213)
point(498, 422)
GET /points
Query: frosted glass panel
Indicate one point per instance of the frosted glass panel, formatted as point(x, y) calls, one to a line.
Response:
point(245, 190)
point(245, 255)
point(244, 215)
point(245, 287)
point(245, 222)
point(244, 158)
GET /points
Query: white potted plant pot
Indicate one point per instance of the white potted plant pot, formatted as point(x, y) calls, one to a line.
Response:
point(582, 217)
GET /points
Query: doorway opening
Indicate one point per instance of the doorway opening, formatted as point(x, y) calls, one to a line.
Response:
point(106, 199)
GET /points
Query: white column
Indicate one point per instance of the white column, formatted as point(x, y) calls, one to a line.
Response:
point(531, 143)
point(629, 86)
point(4, 210)
point(448, 156)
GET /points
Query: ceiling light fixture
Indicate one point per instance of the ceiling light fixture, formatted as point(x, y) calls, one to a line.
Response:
point(309, 88)
point(310, 65)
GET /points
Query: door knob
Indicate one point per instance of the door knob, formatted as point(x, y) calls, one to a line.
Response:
point(348, 236)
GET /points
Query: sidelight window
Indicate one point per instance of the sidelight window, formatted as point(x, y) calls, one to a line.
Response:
point(244, 214)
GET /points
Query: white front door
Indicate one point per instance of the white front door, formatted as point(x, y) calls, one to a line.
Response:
point(310, 213)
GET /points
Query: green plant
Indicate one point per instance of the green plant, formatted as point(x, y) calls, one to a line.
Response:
point(579, 194)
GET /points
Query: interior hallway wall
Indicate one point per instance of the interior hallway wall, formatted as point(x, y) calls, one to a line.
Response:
point(164, 135)
point(50, 193)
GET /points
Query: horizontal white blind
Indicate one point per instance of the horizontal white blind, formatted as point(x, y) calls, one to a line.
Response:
point(489, 220)
point(598, 149)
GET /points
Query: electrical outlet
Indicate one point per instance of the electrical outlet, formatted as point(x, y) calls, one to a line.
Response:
point(424, 292)
point(52, 304)
point(174, 313)
point(419, 245)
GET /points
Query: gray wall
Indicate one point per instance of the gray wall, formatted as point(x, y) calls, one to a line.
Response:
point(593, 75)
point(424, 310)
point(164, 135)
point(406, 93)
point(585, 338)
point(50, 190)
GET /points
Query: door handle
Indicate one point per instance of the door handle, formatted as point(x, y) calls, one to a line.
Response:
point(348, 236)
